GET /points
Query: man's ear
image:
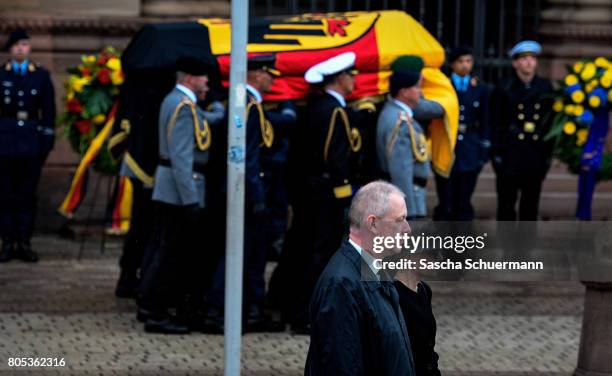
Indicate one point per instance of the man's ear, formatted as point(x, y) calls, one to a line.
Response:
point(371, 223)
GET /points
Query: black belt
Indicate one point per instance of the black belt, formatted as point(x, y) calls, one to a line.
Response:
point(197, 167)
point(416, 180)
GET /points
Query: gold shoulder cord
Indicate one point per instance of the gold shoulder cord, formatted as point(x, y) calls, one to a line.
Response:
point(354, 138)
point(267, 130)
point(202, 135)
point(419, 147)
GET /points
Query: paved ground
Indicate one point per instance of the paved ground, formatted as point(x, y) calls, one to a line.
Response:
point(65, 308)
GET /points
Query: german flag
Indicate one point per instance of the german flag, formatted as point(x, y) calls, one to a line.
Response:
point(377, 38)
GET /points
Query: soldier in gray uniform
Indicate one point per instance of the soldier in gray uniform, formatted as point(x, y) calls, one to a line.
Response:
point(178, 193)
point(400, 140)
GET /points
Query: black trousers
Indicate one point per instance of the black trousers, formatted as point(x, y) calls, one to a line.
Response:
point(509, 186)
point(18, 182)
point(442, 210)
point(141, 226)
point(325, 227)
point(461, 187)
point(174, 254)
point(254, 261)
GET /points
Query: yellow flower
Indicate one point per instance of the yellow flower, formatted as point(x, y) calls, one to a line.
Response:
point(558, 106)
point(578, 110)
point(99, 119)
point(578, 66)
point(578, 96)
point(571, 79)
point(588, 72)
point(606, 79)
point(116, 77)
point(70, 94)
point(77, 83)
point(602, 62)
point(569, 109)
point(88, 59)
point(114, 63)
point(581, 136)
point(569, 128)
point(594, 101)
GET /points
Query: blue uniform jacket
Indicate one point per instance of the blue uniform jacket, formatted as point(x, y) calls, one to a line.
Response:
point(27, 112)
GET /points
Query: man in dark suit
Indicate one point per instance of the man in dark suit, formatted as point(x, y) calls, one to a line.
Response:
point(27, 117)
point(473, 140)
point(521, 157)
point(357, 324)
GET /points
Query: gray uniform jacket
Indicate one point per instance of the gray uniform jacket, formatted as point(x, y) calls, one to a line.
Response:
point(179, 184)
point(395, 153)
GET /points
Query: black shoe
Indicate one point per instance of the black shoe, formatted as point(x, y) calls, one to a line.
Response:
point(300, 329)
point(212, 322)
point(26, 253)
point(8, 251)
point(165, 326)
point(142, 315)
point(127, 286)
point(257, 321)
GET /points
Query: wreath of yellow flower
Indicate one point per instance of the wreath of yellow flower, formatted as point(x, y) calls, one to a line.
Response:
point(589, 71)
point(578, 96)
point(581, 136)
point(569, 128)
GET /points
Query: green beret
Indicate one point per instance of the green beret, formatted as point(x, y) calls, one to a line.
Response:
point(408, 63)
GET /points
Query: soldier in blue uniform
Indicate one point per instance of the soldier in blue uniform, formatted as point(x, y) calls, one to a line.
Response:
point(521, 157)
point(264, 128)
point(27, 116)
point(473, 139)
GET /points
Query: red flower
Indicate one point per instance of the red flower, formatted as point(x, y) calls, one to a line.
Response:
point(74, 105)
point(104, 76)
point(85, 72)
point(84, 126)
point(102, 60)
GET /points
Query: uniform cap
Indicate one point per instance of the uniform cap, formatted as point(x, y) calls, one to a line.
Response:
point(193, 66)
point(525, 47)
point(337, 64)
point(408, 63)
point(457, 52)
point(263, 62)
point(14, 37)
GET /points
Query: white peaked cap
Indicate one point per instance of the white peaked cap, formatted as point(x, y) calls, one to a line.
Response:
point(336, 64)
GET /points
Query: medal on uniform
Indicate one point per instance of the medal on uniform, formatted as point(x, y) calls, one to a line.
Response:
point(529, 127)
point(462, 128)
point(22, 115)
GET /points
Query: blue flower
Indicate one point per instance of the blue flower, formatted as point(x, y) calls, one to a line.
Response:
point(572, 88)
point(586, 118)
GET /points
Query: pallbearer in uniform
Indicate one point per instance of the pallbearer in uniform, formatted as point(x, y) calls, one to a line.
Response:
point(27, 116)
point(179, 195)
point(400, 140)
point(473, 139)
point(263, 127)
point(521, 157)
point(328, 144)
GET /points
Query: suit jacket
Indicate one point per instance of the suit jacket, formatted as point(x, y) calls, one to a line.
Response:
point(399, 161)
point(357, 324)
point(179, 184)
point(27, 112)
point(473, 139)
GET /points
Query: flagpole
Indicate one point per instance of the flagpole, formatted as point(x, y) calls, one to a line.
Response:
point(235, 188)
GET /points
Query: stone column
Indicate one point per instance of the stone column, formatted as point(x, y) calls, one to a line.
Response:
point(595, 354)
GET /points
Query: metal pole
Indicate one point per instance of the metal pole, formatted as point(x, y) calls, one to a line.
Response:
point(235, 188)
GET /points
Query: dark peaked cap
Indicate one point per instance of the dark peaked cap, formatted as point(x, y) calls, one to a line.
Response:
point(193, 66)
point(457, 52)
point(263, 62)
point(15, 37)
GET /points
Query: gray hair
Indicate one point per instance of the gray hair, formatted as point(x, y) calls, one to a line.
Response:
point(371, 199)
